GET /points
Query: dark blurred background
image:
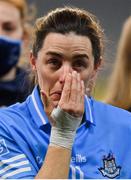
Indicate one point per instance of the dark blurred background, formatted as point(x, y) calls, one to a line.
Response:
point(111, 13)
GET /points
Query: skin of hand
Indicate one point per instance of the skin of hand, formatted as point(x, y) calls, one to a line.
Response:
point(72, 96)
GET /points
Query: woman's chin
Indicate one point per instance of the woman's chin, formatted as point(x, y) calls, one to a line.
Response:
point(55, 99)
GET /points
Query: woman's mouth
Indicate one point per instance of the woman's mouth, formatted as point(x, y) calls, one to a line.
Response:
point(55, 96)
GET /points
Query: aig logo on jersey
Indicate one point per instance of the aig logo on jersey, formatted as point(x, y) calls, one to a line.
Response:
point(3, 147)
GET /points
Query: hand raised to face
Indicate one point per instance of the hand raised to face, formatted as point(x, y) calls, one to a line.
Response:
point(72, 97)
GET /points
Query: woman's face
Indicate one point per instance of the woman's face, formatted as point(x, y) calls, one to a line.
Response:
point(10, 21)
point(59, 56)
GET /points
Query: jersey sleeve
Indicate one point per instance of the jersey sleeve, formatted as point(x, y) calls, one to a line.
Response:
point(14, 164)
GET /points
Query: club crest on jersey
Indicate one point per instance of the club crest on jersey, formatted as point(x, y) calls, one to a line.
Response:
point(110, 169)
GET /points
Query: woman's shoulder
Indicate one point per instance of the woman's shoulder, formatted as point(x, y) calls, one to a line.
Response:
point(111, 113)
point(14, 115)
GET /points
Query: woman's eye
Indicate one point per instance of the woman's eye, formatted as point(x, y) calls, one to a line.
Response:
point(54, 63)
point(8, 27)
point(80, 64)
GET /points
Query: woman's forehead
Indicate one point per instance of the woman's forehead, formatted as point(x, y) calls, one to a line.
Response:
point(70, 42)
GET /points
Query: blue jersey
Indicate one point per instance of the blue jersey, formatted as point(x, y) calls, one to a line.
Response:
point(102, 146)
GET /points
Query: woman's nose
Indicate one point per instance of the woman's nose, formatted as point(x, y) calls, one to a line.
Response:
point(64, 71)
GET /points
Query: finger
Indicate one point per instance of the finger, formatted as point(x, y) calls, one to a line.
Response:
point(74, 87)
point(78, 97)
point(66, 90)
point(82, 92)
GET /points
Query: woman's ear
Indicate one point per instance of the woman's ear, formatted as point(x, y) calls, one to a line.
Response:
point(32, 61)
point(98, 64)
point(97, 67)
point(93, 77)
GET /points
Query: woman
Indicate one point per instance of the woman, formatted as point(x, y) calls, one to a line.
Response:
point(119, 90)
point(59, 132)
point(13, 37)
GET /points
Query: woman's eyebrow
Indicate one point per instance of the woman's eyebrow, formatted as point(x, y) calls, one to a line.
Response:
point(81, 56)
point(54, 54)
point(60, 55)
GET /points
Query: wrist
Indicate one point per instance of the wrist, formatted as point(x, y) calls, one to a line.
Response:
point(64, 130)
point(62, 138)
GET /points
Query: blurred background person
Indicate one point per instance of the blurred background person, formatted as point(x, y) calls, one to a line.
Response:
point(14, 36)
point(119, 90)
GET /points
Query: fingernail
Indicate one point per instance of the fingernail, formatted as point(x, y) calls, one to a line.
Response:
point(74, 73)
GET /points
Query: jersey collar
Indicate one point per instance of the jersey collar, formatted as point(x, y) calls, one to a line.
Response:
point(88, 115)
point(37, 110)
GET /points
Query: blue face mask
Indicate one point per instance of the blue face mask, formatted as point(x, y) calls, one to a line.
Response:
point(9, 54)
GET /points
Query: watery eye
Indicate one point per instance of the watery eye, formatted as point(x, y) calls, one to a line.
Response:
point(54, 63)
point(80, 64)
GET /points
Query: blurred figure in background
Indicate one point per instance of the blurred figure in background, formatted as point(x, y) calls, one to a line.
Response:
point(14, 35)
point(119, 90)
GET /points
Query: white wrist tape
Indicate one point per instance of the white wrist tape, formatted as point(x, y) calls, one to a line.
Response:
point(63, 133)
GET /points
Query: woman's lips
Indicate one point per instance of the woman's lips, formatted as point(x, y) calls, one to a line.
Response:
point(55, 96)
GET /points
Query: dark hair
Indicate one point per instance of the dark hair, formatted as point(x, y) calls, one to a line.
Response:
point(65, 20)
